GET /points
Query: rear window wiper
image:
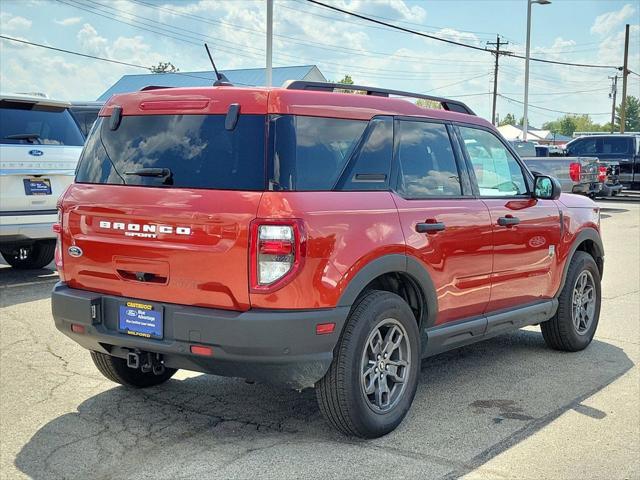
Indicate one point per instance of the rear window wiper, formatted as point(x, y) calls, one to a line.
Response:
point(163, 173)
point(29, 137)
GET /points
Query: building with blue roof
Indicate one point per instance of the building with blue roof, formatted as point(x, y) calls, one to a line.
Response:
point(252, 77)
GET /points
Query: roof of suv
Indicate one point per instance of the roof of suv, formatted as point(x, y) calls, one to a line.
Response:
point(23, 98)
point(216, 100)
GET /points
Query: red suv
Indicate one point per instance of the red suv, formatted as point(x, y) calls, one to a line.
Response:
point(314, 239)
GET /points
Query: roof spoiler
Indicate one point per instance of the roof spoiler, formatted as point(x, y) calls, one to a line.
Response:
point(447, 103)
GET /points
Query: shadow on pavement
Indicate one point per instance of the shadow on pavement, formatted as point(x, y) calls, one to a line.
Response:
point(20, 286)
point(471, 405)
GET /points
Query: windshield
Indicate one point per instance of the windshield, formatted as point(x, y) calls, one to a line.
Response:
point(188, 151)
point(24, 123)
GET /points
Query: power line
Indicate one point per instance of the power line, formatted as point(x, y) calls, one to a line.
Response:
point(103, 59)
point(550, 109)
point(365, 71)
point(452, 42)
point(433, 27)
point(73, 53)
point(458, 82)
point(325, 46)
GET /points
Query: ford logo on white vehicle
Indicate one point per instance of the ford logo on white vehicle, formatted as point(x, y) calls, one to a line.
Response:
point(36, 153)
point(143, 230)
point(74, 251)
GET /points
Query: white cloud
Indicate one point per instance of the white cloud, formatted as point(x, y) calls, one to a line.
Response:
point(66, 22)
point(11, 23)
point(605, 23)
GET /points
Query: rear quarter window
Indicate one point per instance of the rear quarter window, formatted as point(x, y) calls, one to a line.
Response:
point(180, 151)
point(310, 153)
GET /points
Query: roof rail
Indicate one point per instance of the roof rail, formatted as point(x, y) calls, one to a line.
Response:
point(447, 103)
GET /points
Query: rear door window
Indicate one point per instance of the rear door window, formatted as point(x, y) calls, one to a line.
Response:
point(310, 153)
point(185, 151)
point(29, 124)
point(616, 145)
point(427, 165)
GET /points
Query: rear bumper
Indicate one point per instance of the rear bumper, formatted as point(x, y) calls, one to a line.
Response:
point(609, 189)
point(272, 346)
point(587, 188)
point(18, 227)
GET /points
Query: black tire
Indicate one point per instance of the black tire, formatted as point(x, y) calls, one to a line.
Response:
point(116, 370)
point(38, 255)
point(561, 333)
point(341, 394)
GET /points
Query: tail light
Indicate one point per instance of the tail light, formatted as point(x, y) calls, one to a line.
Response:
point(602, 173)
point(277, 252)
point(57, 229)
point(575, 171)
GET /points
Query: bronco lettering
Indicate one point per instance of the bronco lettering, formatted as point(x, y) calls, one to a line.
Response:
point(132, 229)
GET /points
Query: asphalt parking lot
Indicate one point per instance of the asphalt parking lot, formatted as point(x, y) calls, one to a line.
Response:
point(505, 408)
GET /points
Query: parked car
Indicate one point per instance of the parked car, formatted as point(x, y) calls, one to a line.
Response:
point(617, 150)
point(40, 144)
point(313, 239)
point(575, 174)
point(580, 175)
point(85, 113)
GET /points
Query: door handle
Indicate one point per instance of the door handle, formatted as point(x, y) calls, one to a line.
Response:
point(430, 227)
point(508, 221)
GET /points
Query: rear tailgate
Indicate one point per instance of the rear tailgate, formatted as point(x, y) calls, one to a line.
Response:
point(179, 246)
point(32, 177)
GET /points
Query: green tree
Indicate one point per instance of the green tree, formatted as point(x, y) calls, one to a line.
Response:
point(509, 119)
point(573, 123)
point(346, 80)
point(632, 115)
point(424, 103)
point(164, 67)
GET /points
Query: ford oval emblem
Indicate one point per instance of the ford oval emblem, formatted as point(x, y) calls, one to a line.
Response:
point(36, 153)
point(75, 251)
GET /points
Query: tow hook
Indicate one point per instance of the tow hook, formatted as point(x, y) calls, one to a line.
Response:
point(146, 362)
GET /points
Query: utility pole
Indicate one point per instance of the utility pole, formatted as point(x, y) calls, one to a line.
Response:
point(497, 53)
point(625, 74)
point(269, 42)
point(612, 95)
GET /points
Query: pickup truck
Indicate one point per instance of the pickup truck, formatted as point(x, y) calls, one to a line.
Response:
point(612, 149)
point(576, 174)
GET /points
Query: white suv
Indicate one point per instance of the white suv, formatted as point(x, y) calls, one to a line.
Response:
point(40, 143)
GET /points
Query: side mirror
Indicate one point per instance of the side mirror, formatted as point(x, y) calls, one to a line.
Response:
point(546, 188)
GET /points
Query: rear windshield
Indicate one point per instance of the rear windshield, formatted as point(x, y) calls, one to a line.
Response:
point(188, 151)
point(24, 123)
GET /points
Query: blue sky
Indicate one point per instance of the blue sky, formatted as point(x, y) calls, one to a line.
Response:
point(581, 31)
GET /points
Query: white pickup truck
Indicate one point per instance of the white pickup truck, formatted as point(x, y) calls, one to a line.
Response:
point(40, 144)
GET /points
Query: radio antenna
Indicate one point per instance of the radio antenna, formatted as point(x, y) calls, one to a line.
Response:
point(220, 78)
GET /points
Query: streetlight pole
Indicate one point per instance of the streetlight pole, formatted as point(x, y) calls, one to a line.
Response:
point(525, 119)
point(268, 72)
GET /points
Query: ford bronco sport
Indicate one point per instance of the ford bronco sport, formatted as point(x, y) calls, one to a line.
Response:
point(311, 238)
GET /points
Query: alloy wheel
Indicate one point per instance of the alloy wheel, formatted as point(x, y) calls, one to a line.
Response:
point(386, 361)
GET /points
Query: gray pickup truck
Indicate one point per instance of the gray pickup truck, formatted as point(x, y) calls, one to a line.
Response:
point(576, 174)
point(619, 151)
